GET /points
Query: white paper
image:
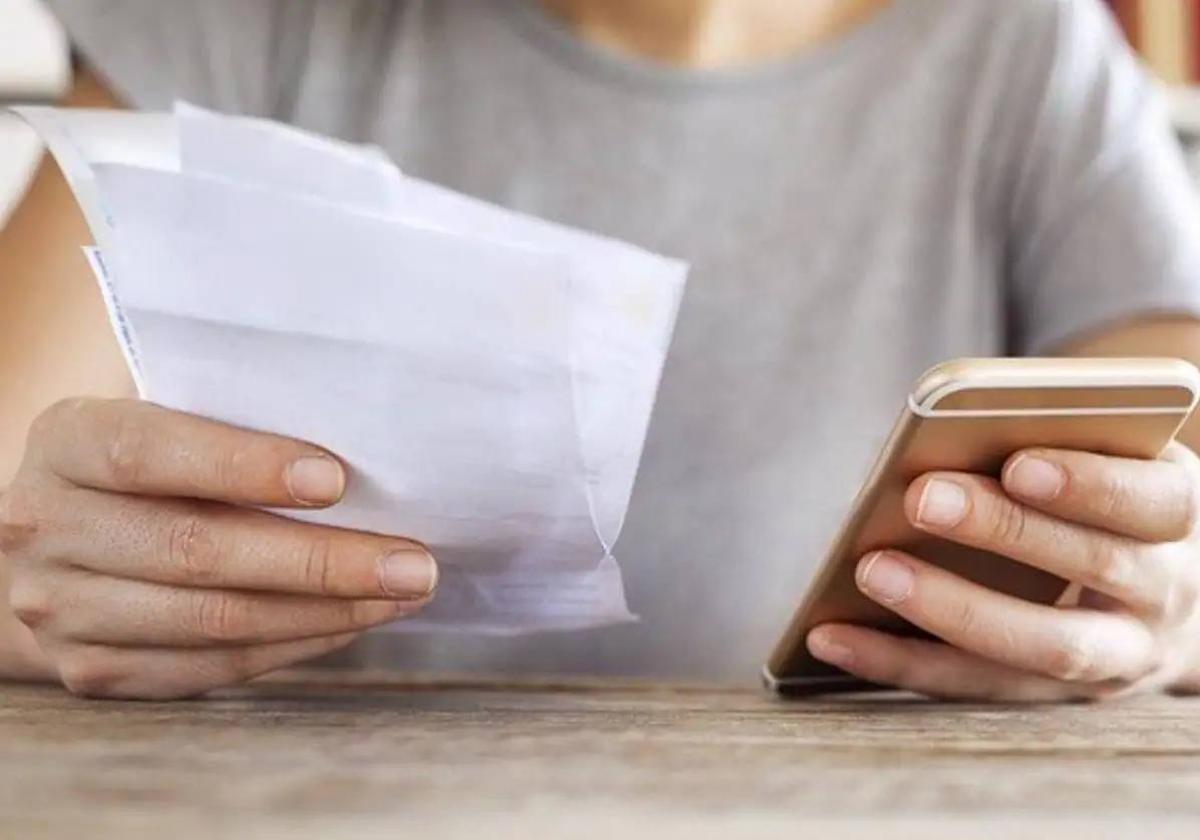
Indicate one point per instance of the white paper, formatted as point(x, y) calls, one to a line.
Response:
point(623, 305)
point(267, 154)
point(488, 377)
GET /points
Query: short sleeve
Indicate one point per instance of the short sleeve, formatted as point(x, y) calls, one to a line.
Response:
point(231, 55)
point(1105, 222)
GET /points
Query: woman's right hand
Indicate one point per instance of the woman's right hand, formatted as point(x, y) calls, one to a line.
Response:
point(134, 561)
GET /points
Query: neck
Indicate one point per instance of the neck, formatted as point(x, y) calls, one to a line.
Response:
point(712, 33)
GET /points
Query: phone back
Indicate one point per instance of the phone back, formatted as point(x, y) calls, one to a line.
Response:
point(970, 429)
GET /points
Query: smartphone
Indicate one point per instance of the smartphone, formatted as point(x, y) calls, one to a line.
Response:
point(970, 415)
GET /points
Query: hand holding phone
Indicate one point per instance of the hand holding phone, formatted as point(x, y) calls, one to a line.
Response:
point(945, 576)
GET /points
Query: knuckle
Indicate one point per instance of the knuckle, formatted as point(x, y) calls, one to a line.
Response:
point(32, 604)
point(1111, 566)
point(1071, 659)
point(89, 673)
point(220, 619)
point(1008, 523)
point(63, 412)
point(964, 618)
point(19, 519)
point(1113, 495)
point(125, 452)
point(319, 567)
point(228, 468)
point(192, 551)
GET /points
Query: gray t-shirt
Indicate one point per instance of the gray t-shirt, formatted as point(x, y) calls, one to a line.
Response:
point(955, 177)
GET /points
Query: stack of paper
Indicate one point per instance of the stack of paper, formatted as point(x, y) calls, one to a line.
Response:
point(487, 376)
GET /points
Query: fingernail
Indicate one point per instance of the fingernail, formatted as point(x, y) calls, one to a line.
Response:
point(885, 578)
point(1035, 478)
point(408, 574)
point(827, 650)
point(315, 480)
point(943, 504)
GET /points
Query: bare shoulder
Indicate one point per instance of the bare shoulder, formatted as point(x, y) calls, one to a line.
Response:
point(55, 340)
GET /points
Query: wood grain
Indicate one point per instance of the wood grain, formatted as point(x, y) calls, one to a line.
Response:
point(321, 756)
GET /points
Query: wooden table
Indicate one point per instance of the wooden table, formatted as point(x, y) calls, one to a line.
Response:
point(323, 755)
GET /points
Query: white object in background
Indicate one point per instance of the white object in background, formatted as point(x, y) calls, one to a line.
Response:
point(1184, 104)
point(20, 153)
point(35, 65)
point(488, 377)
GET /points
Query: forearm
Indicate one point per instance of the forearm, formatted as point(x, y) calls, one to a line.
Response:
point(54, 342)
point(55, 339)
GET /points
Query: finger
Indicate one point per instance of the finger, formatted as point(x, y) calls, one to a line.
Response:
point(129, 446)
point(975, 511)
point(208, 545)
point(166, 674)
point(1067, 644)
point(1155, 501)
point(933, 668)
point(96, 609)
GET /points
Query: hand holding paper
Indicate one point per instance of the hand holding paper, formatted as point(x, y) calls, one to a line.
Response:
point(487, 377)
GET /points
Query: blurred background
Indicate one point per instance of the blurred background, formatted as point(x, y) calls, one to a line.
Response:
point(1167, 34)
point(35, 65)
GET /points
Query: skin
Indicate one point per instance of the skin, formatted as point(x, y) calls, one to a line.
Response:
point(712, 33)
point(131, 566)
point(1123, 532)
point(129, 563)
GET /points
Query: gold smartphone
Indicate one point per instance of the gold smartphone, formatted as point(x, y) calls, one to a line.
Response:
point(970, 415)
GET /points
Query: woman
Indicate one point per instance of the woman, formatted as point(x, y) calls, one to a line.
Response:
point(864, 188)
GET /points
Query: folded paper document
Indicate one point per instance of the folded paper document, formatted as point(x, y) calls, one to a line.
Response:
point(486, 376)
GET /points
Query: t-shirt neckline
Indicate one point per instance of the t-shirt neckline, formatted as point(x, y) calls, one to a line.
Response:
point(554, 35)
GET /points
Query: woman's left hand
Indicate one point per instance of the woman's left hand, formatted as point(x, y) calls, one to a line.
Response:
point(1125, 530)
